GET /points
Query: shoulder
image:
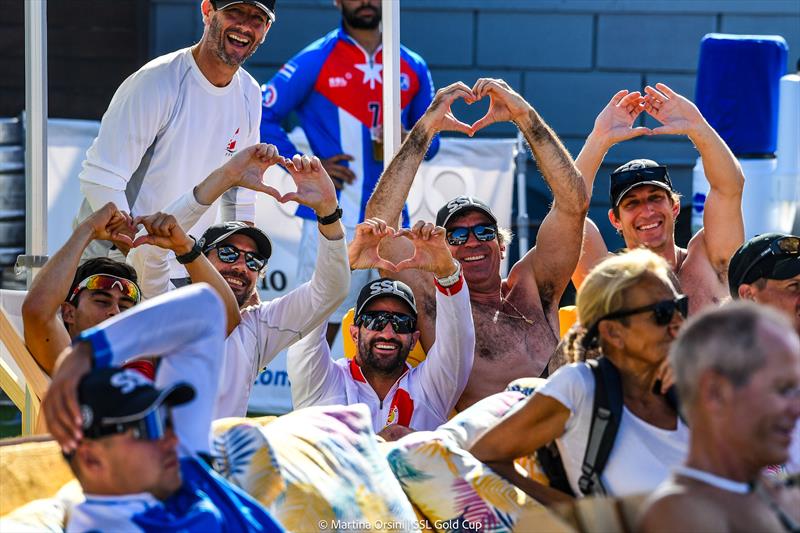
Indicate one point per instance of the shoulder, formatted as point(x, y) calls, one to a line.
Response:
point(570, 385)
point(164, 70)
point(674, 507)
point(412, 57)
point(249, 83)
point(317, 49)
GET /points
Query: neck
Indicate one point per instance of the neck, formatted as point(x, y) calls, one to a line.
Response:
point(216, 72)
point(369, 40)
point(487, 292)
point(637, 376)
point(382, 382)
point(712, 452)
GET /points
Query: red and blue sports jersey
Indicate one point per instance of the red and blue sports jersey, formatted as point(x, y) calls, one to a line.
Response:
point(336, 88)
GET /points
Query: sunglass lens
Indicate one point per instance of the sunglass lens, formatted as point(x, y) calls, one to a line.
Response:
point(457, 236)
point(789, 245)
point(227, 254)
point(402, 324)
point(254, 261)
point(484, 233)
point(682, 303)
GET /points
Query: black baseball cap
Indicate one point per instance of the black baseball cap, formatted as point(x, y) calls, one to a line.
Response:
point(769, 256)
point(111, 399)
point(219, 232)
point(267, 6)
point(635, 174)
point(385, 287)
point(460, 204)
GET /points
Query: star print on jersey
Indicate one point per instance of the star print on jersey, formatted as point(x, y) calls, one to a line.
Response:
point(372, 73)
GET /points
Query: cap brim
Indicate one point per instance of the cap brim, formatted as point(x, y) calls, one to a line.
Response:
point(466, 208)
point(177, 394)
point(621, 195)
point(786, 268)
point(386, 295)
point(263, 242)
point(260, 5)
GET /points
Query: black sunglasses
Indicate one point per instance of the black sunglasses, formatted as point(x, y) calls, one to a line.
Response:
point(228, 253)
point(789, 245)
point(457, 236)
point(663, 312)
point(377, 320)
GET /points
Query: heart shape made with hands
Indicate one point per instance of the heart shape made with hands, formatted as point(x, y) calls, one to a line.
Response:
point(488, 118)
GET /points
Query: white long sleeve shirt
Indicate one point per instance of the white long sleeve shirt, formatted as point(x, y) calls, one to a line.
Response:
point(422, 398)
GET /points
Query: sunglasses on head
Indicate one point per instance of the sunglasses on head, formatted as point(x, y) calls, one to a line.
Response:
point(107, 282)
point(377, 320)
point(228, 253)
point(789, 245)
point(153, 426)
point(456, 236)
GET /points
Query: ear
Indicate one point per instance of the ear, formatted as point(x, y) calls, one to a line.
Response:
point(206, 9)
point(676, 209)
point(611, 333)
point(354, 334)
point(614, 220)
point(89, 458)
point(502, 251)
point(715, 391)
point(746, 292)
point(68, 313)
point(414, 340)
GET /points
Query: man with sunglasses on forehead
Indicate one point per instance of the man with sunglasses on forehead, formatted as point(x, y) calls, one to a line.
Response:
point(141, 449)
point(384, 331)
point(644, 204)
point(516, 318)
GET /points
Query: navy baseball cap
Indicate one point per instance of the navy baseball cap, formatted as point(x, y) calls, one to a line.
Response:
point(385, 287)
point(768, 256)
point(267, 6)
point(460, 204)
point(219, 232)
point(635, 174)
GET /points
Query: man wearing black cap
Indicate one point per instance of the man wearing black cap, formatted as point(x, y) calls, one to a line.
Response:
point(140, 449)
point(766, 269)
point(178, 118)
point(516, 319)
point(644, 204)
point(384, 331)
point(240, 253)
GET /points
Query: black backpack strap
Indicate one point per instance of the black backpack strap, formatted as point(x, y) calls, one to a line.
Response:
point(606, 417)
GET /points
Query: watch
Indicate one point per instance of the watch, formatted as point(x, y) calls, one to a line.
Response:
point(452, 279)
point(330, 219)
point(191, 255)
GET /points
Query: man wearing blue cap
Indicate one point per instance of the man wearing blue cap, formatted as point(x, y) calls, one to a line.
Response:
point(644, 204)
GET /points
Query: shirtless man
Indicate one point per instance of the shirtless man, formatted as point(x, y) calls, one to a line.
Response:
point(644, 206)
point(516, 319)
point(737, 370)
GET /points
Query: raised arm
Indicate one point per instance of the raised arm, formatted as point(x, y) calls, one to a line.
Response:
point(314, 377)
point(614, 124)
point(558, 243)
point(45, 333)
point(723, 226)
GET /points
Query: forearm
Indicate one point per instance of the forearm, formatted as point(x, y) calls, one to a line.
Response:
point(589, 160)
point(201, 270)
point(99, 195)
point(722, 170)
point(394, 185)
point(310, 368)
point(555, 164)
point(211, 188)
point(537, 491)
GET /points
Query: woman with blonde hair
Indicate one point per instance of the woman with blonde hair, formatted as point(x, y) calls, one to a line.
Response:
point(630, 313)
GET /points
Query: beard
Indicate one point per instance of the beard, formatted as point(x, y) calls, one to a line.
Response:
point(216, 39)
point(243, 293)
point(362, 18)
point(382, 365)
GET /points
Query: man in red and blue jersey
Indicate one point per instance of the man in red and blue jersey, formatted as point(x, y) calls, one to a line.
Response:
point(335, 85)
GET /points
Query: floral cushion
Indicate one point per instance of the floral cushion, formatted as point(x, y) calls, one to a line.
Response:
point(316, 468)
point(452, 489)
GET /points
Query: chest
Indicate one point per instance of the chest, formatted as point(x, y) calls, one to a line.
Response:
point(702, 284)
point(512, 336)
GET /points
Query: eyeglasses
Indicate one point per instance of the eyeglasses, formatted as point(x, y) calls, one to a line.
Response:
point(377, 320)
point(228, 253)
point(106, 282)
point(153, 426)
point(789, 245)
point(663, 312)
point(457, 236)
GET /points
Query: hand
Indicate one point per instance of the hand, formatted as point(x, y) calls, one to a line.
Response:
point(363, 251)
point(110, 224)
point(440, 117)
point(678, 115)
point(339, 173)
point(663, 378)
point(163, 231)
point(246, 169)
point(431, 253)
point(615, 122)
point(314, 187)
point(505, 105)
point(60, 404)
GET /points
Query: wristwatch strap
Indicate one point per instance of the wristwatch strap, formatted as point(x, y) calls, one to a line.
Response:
point(191, 255)
point(330, 219)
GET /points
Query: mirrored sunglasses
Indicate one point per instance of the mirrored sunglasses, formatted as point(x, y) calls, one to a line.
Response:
point(153, 426)
point(107, 282)
point(456, 236)
point(228, 253)
point(377, 320)
point(788, 246)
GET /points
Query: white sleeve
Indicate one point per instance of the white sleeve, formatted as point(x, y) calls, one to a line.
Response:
point(571, 385)
point(186, 328)
point(446, 369)
point(137, 112)
point(152, 262)
point(312, 372)
point(285, 320)
point(239, 203)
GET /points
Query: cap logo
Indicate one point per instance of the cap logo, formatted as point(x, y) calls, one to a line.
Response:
point(127, 381)
point(458, 203)
point(87, 415)
point(386, 285)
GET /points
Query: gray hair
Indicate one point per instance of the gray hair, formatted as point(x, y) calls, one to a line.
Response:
point(728, 339)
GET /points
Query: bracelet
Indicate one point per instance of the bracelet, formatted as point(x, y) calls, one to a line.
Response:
point(330, 219)
point(191, 255)
point(452, 279)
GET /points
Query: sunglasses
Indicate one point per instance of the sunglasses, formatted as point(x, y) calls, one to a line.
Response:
point(228, 253)
point(106, 282)
point(459, 235)
point(377, 320)
point(789, 245)
point(153, 426)
point(663, 312)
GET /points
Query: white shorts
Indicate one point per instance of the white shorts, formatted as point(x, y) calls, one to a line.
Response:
point(307, 260)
